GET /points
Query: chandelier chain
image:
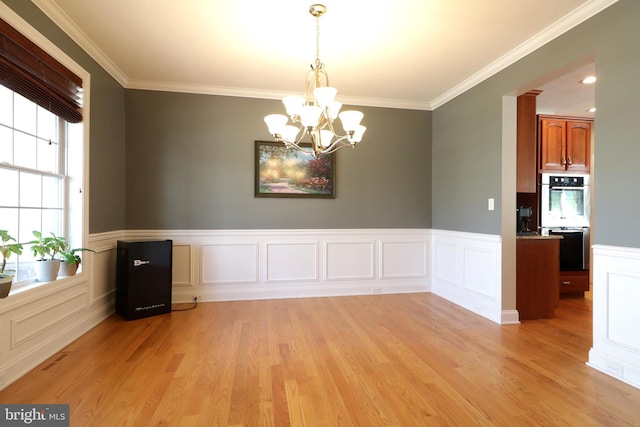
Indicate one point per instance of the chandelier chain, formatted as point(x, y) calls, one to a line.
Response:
point(318, 39)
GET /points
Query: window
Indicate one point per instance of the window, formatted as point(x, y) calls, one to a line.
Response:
point(41, 143)
point(35, 173)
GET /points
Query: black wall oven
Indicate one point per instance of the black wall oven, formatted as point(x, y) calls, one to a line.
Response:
point(564, 210)
point(574, 247)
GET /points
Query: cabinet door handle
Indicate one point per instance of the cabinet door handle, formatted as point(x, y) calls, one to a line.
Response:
point(564, 162)
point(570, 162)
point(566, 283)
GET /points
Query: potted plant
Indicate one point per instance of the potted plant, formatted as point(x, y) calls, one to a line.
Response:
point(46, 249)
point(71, 260)
point(8, 246)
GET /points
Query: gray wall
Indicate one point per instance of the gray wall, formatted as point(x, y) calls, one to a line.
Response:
point(193, 168)
point(107, 151)
point(467, 164)
point(190, 165)
point(617, 131)
point(467, 130)
point(182, 161)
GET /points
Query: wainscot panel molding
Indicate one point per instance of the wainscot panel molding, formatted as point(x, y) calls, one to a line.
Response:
point(38, 320)
point(227, 262)
point(350, 260)
point(466, 271)
point(223, 265)
point(615, 293)
point(292, 261)
point(401, 259)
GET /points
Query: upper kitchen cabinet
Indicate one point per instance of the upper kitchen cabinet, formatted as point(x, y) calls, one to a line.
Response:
point(527, 165)
point(564, 143)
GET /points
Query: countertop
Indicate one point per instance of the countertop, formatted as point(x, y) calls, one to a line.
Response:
point(538, 237)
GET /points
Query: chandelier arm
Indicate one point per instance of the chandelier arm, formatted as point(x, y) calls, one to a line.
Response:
point(330, 123)
point(322, 72)
point(301, 149)
point(315, 78)
point(329, 150)
point(322, 122)
point(337, 145)
point(303, 134)
point(308, 92)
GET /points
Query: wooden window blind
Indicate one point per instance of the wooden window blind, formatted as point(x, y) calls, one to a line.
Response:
point(28, 70)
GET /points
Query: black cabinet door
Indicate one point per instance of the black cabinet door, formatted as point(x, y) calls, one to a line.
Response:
point(571, 249)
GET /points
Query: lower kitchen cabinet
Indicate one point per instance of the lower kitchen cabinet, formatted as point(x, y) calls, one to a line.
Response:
point(574, 283)
point(537, 276)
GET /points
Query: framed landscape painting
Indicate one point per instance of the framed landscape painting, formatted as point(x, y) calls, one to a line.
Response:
point(287, 172)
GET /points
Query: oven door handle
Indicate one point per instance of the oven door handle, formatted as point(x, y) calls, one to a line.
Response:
point(560, 187)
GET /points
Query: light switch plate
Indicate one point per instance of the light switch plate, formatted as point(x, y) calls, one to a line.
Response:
point(491, 204)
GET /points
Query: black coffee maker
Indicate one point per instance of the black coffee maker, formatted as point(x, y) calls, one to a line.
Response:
point(523, 225)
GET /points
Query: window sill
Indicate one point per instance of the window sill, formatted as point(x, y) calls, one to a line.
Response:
point(25, 285)
point(28, 291)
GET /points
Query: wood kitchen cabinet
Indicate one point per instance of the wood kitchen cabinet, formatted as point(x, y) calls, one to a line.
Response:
point(537, 276)
point(527, 166)
point(564, 143)
point(574, 283)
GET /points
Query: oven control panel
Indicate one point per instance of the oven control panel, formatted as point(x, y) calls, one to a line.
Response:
point(566, 181)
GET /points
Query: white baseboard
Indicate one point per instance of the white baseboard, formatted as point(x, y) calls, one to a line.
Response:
point(510, 317)
point(612, 365)
point(615, 293)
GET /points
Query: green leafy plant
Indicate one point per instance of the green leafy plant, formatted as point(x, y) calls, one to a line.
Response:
point(46, 248)
point(71, 256)
point(8, 245)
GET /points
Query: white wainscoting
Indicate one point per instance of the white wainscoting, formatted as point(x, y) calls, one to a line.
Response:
point(616, 317)
point(251, 264)
point(221, 265)
point(38, 321)
point(218, 265)
point(467, 271)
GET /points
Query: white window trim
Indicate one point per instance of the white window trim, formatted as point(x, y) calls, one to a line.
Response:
point(45, 44)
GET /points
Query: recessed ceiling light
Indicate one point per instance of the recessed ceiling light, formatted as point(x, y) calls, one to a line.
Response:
point(592, 110)
point(588, 80)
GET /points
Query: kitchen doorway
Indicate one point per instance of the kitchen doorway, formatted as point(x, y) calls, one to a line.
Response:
point(565, 95)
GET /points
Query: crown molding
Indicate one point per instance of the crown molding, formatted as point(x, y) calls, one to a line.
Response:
point(553, 31)
point(270, 94)
point(62, 20)
point(558, 28)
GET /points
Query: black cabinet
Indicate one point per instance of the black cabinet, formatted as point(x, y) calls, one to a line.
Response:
point(143, 278)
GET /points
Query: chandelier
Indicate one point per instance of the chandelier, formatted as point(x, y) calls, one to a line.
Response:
point(314, 115)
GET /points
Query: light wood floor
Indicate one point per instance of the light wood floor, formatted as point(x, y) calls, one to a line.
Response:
point(392, 360)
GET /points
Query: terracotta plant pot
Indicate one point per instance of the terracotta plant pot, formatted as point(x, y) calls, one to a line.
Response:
point(5, 285)
point(68, 268)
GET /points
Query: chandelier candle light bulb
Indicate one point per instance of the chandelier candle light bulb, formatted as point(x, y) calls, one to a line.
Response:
point(316, 112)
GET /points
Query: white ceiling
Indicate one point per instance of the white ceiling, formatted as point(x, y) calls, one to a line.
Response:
point(566, 95)
point(403, 53)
